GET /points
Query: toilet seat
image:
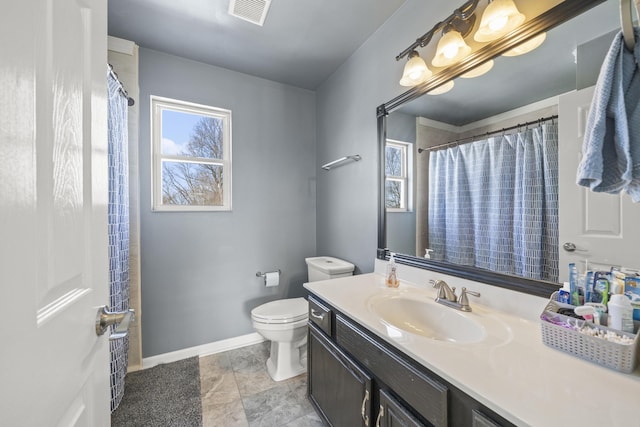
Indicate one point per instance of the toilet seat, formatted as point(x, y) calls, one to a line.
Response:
point(281, 311)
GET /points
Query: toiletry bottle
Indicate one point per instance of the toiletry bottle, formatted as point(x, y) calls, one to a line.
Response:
point(588, 283)
point(392, 276)
point(573, 284)
point(620, 313)
point(600, 287)
point(564, 294)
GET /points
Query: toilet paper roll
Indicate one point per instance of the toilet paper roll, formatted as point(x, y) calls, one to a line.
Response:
point(272, 279)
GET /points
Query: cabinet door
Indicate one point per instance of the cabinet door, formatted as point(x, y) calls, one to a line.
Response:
point(481, 420)
point(392, 414)
point(338, 388)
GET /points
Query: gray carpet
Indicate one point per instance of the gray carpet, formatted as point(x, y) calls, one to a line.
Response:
point(166, 395)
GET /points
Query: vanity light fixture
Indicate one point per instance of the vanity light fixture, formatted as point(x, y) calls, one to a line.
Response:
point(415, 71)
point(499, 18)
point(479, 70)
point(527, 46)
point(451, 49)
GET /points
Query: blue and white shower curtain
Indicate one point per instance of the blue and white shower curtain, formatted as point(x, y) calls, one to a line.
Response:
point(493, 203)
point(118, 229)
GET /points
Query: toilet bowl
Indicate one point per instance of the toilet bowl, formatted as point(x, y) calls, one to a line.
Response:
point(284, 323)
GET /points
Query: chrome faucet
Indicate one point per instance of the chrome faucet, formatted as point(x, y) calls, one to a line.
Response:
point(444, 291)
point(447, 296)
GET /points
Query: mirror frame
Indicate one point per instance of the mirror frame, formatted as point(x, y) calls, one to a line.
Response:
point(547, 20)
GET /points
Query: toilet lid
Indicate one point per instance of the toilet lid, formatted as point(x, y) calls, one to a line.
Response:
point(281, 311)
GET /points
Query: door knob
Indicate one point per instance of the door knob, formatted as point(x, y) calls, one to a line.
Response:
point(106, 318)
point(571, 247)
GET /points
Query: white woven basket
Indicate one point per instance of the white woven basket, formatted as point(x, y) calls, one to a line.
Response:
point(621, 357)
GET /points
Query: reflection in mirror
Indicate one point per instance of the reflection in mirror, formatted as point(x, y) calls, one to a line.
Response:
point(517, 90)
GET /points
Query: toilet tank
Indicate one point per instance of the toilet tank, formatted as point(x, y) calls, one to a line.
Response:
point(326, 267)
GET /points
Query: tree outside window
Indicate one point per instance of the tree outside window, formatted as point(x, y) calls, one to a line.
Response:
point(192, 156)
point(396, 175)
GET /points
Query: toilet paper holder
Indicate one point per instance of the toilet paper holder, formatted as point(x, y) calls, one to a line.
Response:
point(271, 278)
point(264, 275)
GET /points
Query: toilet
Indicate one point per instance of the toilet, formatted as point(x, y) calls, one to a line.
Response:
point(284, 322)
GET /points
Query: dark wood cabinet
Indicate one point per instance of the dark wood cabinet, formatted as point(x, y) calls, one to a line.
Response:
point(357, 379)
point(426, 394)
point(392, 413)
point(338, 388)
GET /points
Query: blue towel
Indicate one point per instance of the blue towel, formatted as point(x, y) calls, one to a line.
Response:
point(611, 148)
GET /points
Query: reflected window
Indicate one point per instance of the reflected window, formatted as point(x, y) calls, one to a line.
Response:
point(191, 156)
point(397, 175)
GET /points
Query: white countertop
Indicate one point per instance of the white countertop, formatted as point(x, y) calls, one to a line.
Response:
point(511, 371)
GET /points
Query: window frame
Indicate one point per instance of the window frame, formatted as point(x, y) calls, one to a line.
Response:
point(405, 180)
point(158, 105)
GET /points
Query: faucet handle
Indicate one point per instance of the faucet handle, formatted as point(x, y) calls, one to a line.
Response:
point(464, 301)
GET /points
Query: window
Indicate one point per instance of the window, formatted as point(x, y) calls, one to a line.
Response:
point(191, 146)
point(397, 172)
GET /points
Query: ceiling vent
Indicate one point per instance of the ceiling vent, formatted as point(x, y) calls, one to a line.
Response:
point(254, 11)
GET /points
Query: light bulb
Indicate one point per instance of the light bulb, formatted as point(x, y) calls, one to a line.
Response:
point(479, 70)
point(499, 18)
point(498, 23)
point(415, 71)
point(451, 49)
point(442, 89)
point(527, 46)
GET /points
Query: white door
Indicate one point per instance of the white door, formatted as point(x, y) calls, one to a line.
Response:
point(54, 369)
point(603, 227)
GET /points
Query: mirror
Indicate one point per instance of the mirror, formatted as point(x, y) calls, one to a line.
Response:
point(522, 83)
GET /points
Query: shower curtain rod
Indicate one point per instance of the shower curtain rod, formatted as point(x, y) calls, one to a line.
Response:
point(123, 91)
point(493, 132)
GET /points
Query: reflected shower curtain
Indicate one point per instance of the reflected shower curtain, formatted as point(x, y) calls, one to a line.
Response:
point(493, 203)
point(118, 229)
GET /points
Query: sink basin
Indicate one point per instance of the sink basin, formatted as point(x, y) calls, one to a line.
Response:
point(426, 318)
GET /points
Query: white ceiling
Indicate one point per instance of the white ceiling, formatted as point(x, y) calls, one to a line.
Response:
point(301, 43)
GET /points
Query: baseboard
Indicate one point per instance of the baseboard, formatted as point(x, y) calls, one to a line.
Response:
point(203, 350)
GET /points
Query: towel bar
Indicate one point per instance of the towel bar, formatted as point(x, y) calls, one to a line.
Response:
point(626, 21)
point(341, 160)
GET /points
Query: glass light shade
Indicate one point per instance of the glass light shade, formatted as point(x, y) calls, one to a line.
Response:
point(499, 18)
point(478, 71)
point(415, 71)
point(527, 46)
point(442, 89)
point(451, 49)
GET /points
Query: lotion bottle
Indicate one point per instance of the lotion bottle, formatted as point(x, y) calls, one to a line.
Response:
point(620, 313)
point(392, 275)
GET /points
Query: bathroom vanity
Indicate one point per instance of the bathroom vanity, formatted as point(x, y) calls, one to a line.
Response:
point(355, 378)
point(374, 359)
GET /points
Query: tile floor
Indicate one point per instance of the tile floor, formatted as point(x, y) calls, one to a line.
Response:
point(236, 391)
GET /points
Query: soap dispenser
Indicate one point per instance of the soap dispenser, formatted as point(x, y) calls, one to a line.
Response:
point(392, 275)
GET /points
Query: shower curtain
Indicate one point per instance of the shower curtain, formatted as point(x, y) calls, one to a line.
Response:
point(493, 203)
point(118, 229)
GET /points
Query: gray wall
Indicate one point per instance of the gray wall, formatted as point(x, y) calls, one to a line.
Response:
point(590, 57)
point(401, 226)
point(198, 268)
point(348, 196)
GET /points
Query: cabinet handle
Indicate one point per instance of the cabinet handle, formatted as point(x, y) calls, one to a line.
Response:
point(315, 314)
point(380, 415)
point(365, 418)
